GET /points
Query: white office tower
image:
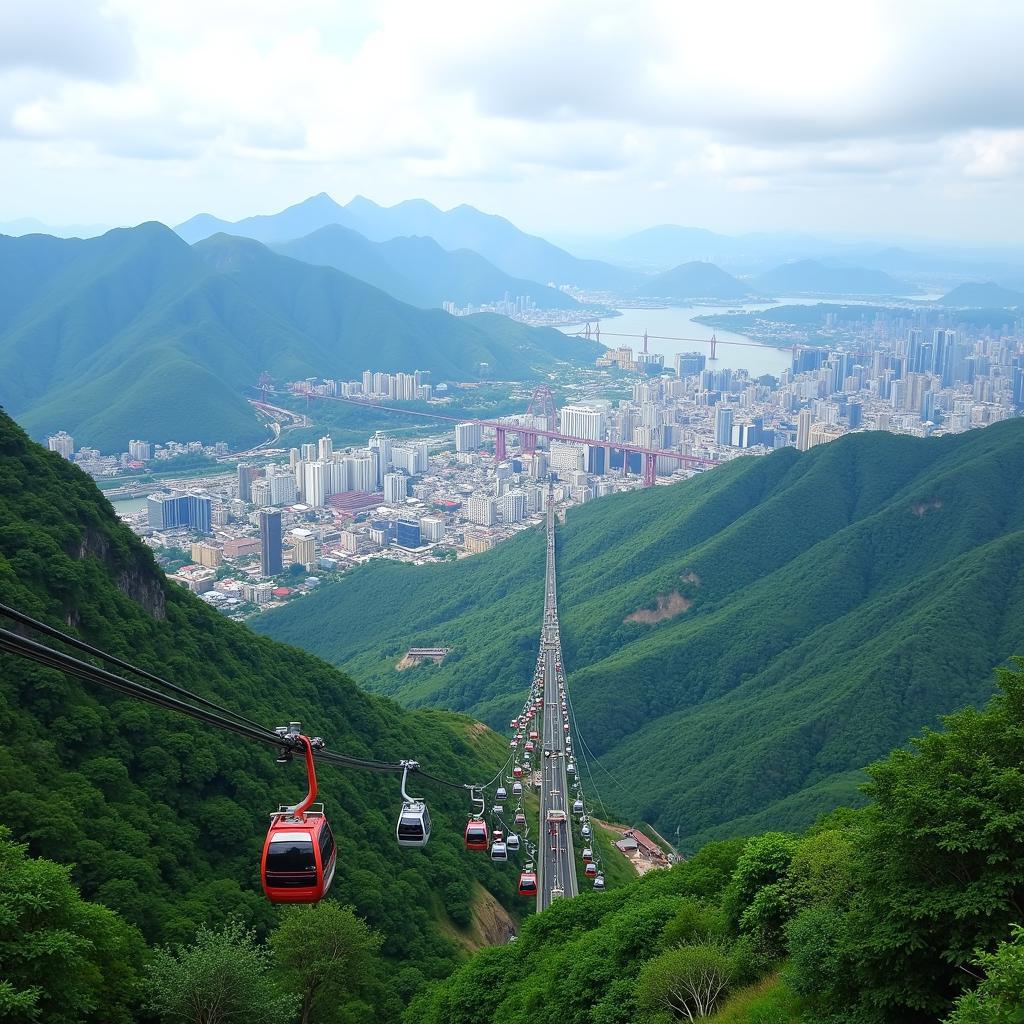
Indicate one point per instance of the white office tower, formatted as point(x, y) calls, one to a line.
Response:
point(303, 548)
point(803, 429)
point(62, 443)
point(282, 489)
point(404, 459)
point(326, 449)
point(582, 421)
point(723, 425)
point(337, 476)
point(396, 488)
point(308, 453)
point(432, 529)
point(314, 485)
point(422, 452)
point(481, 510)
point(381, 444)
point(367, 382)
point(513, 507)
point(360, 469)
point(140, 451)
point(565, 456)
point(468, 437)
point(262, 493)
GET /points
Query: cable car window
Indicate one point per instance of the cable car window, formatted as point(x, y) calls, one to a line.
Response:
point(409, 827)
point(291, 856)
point(326, 845)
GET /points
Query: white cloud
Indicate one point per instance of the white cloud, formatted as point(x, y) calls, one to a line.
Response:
point(620, 107)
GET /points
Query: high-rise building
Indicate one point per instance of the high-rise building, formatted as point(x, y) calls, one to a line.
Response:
point(803, 430)
point(140, 451)
point(432, 529)
point(62, 443)
point(261, 491)
point(314, 488)
point(193, 511)
point(246, 475)
point(481, 509)
point(271, 562)
point(282, 489)
point(206, 554)
point(582, 421)
point(303, 548)
point(723, 425)
point(396, 488)
point(325, 448)
point(468, 437)
point(407, 533)
point(689, 364)
point(566, 456)
point(513, 506)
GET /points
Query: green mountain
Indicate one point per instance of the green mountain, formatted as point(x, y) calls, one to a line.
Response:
point(163, 818)
point(696, 280)
point(738, 644)
point(904, 910)
point(136, 334)
point(463, 227)
point(809, 277)
point(417, 270)
point(978, 295)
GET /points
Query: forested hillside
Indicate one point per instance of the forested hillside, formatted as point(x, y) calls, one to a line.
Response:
point(738, 644)
point(904, 911)
point(137, 334)
point(164, 818)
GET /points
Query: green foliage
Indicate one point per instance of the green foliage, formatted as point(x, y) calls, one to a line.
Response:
point(164, 819)
point(999, 999)
point(326, 955)
point(62, 960)
point(841, 599)
point(688, 981)
point(758, 900)
point(135, 334)
point(223, 976)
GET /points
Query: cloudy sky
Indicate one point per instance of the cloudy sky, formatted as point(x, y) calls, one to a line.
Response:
point(899, 119)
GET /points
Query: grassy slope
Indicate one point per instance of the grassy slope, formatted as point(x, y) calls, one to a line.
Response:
point(163, 818)
point(841, 599)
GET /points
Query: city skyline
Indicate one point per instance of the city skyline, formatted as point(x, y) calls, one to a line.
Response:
point(823, 118)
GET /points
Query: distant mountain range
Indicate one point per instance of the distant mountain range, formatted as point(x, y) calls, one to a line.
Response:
point(137, 334)
point(810, 277)
point(738, 645)
point(977, 295)
point(31, 226)
point(417, 270)
point(695, 280)
point(496, 239)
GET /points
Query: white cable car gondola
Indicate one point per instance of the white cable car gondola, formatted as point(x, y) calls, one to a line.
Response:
point(413, 828)
point(517, 789)
point(499, 848)
point(512, 842)
point(577, 807)
point(502, 793)
point(585, 831)
point(599, 882)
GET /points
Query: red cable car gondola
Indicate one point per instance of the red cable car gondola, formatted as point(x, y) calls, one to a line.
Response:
point(528, 883)
point(299, 855)
point(590, 870)
point(476, 834)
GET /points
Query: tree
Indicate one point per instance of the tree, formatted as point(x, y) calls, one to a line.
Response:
point(688, 981)
point(62, 959)
point(999, 999)
point(758, 900)
point(325, 955)
point(224, 976)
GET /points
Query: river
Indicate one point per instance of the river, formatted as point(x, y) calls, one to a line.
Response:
point(128, 506)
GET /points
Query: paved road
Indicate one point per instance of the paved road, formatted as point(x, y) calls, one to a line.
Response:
point(556, 860)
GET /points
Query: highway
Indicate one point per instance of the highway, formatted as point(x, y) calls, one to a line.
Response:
point(556, 861)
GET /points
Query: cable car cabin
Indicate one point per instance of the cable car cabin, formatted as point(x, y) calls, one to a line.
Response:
point(501, 794)
point(413, 827)
point(528, 883)
point(577, 807)
point(590, 870)
point(517, 789)
point(514, 724)
point(512, 843)
point(517, 772)
point(585, 831)
point(528, 746)
point(534, 735)
point(299, 857)
point(520, 818)
point(499, 850)
point(599, 882)
point(588, 854)
point(476, 834)
point(570, 768)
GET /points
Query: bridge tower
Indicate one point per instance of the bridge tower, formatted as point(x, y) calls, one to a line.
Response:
point(650, 469)
point(714, 342)
point(499, 444)
point(542, 404)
